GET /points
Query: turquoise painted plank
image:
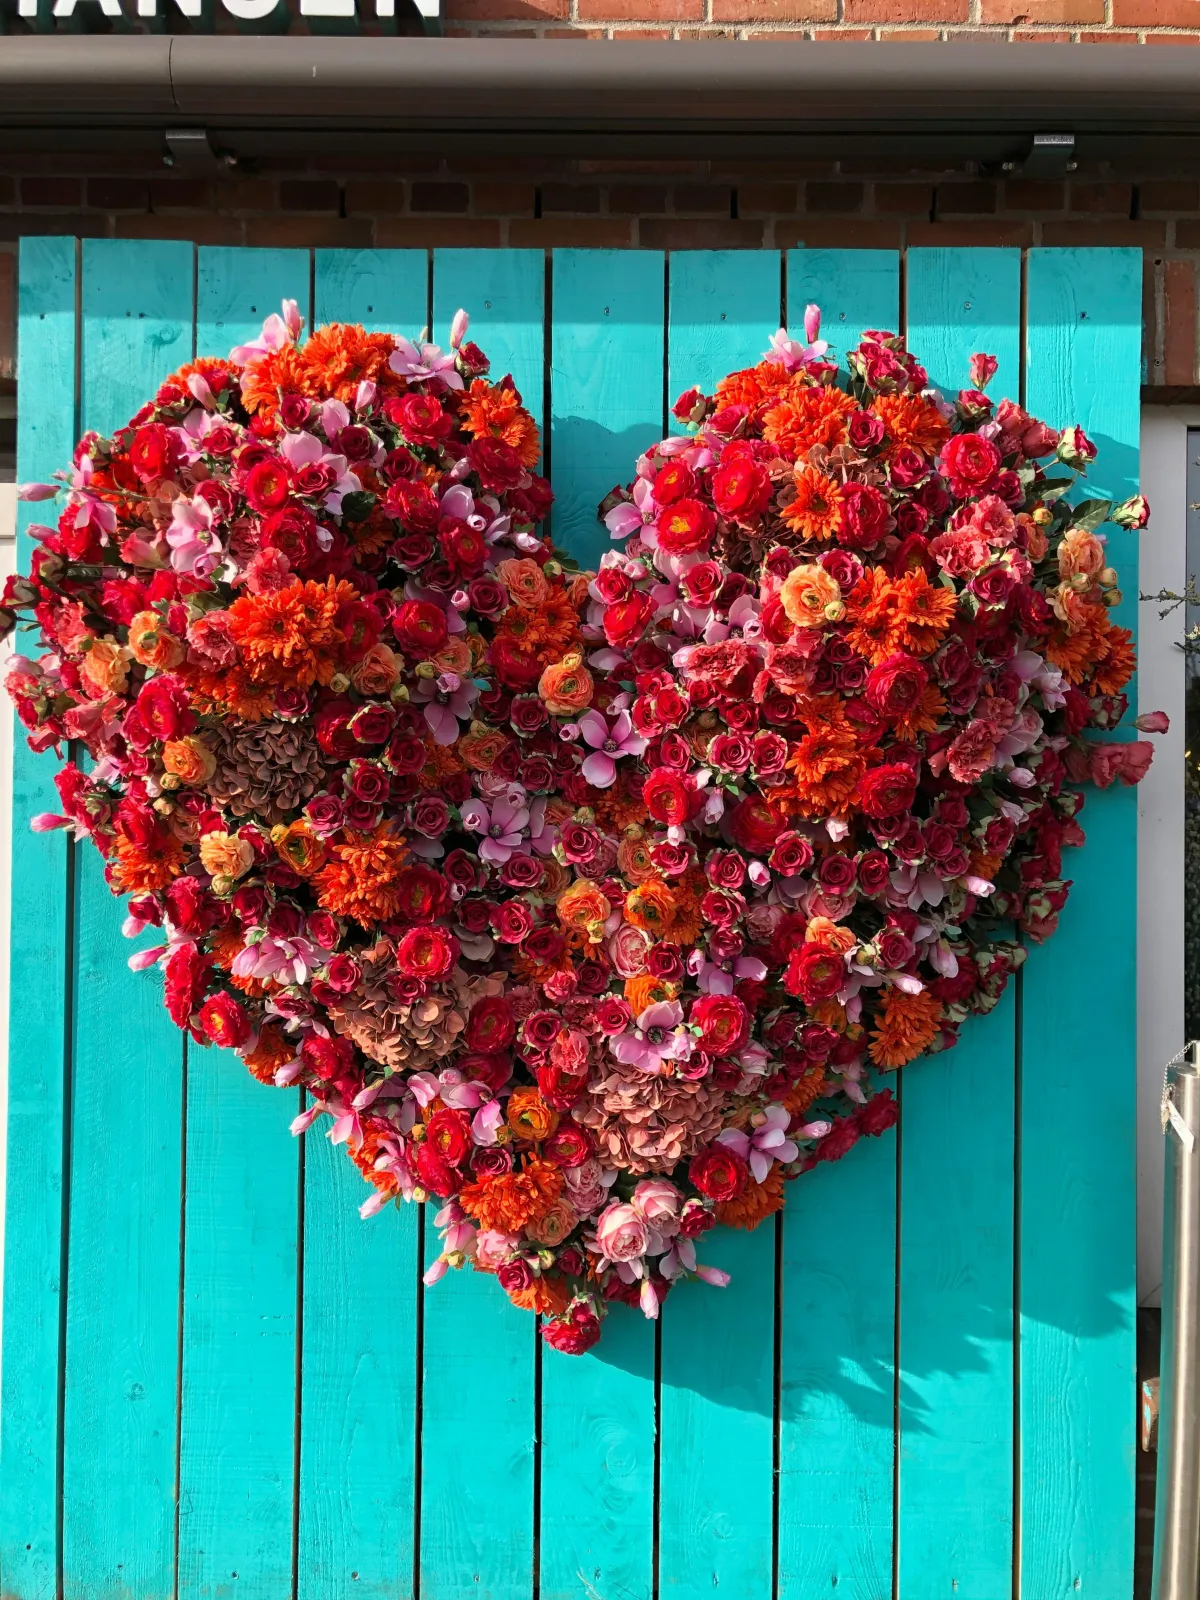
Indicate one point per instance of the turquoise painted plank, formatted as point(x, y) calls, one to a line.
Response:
point(955, 1336)
point(477, 1534)
point(384, 290)
point(241, 1226)
point(358, 1376)
point(39, 955)
point(855, 289)
point(606, 383)
point(961, 301)
point(123, 1264)
point(1078, 1043)
point(504, 292)
point(717, 1401)
point(598, 1410)
point(837, 1333)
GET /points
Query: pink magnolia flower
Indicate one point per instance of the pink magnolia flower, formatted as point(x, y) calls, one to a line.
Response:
point(425, 363)
point(608, 744)
point(503, 825)
point(658, 1036)
point(447, 701)
point(767, 1142)
point(792, 356)
point(195, 548)
point(277, 332)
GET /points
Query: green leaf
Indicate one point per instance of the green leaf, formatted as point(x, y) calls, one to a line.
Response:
point(1090, 514)
point(357, 507)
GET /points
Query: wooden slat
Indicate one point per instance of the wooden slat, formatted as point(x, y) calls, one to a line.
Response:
point(361, 1279)
point(607, 368)
point(477, 1486)
point(955, 1335)
point(839, 1258)
point(717, 1399)
point(1078, 1036)
point(598, 1410)
point(123, 1261)
point(241, 1226)
point(40, 955)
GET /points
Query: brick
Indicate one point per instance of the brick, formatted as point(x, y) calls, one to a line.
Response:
point(1167, 196)
point(504, 199)
point(1150, 269)
point(629, 166)
point(319, 232)
point(965, 199)
point(569, 199)
point(636, 199)
point(774, 10)
point(118, 194)
point(844, 235)
point(51, 192)
point(764, 198)
point(1108, 37)
point(909, 35)
point(587, 233)
point(310, 195)
point(1039, 36)
point(1179, 322)
point(83, 224)
point(8, 313)
point(374, 198)
point(1117, 230)
point(1012, 12)
point(1172, 38)
point(421, 233)
point(702, 199)
point(969, 233)
point(440, 197)
point(635, 10)
point(1156, 13)
point(1112, 197)
point(641, 33)
point(680, 233)
point(8, 191)
point(906, 198)
point(1034, 194)
point(842, 34)
point(185, 194)
point(506, 10)
point(196, 230)
point(248, 194)
point(837, 197)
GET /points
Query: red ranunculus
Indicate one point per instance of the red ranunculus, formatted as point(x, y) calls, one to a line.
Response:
point(887, 791)
point(970, 463)
point(223, 1022)
point(894, 687)
point(668, 797)
point(685, 527)
point(267, 485)
point(754, 825)
point(815, 973)
point(426, 952)
point(718, 1172)
point(866, 516)
point(741, 490)
point(723, 1021)
point(420, 628)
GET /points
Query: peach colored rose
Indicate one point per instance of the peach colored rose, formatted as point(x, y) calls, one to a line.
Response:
point(106, 666)
point(224, 855)
point(1079, 555)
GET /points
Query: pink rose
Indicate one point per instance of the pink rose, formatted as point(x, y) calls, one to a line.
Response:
point(658, 1203)
point(621, 1233)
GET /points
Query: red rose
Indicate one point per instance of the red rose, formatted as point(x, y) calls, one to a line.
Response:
point(426, 952)
point(741, 490)
point(490, 1025)
point(573, 1334)
point(873, 871)
point(420, 628)
point(676, 481)
point(154, 452)
point(702, 583)
point(753, 826)
point(668, 797)
point(723, 1021)
point(815, 973)
point(434, 1172)
point(496, 464)
point(887, 791)
point(450, 1134)
point(684, 528)
point(164, 708)
point(512, 922)
point(894, 687)
point(626, 621)
point(970, 463)
point(866, 516)
point(420, 418)
point(718, 1172)
point(267, 485)
point(792, 854)
point(223, 1022)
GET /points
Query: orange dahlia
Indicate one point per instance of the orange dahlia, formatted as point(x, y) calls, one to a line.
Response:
point(291, 635)
point(510, 1201)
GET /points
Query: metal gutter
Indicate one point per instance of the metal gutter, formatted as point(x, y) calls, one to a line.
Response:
point(763, 93)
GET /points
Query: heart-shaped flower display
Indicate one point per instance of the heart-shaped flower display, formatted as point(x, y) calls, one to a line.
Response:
point(588, 904)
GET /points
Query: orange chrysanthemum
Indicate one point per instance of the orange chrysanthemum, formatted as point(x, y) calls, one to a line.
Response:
point(547, 632)
point(752, 385)
point(363, 879)
point(805, 1091)
point(906, 1027)
point(807, 417)
point(269, 1054)
point(264, 382)
point(340, 356)
point(912, 421)
point(827, 764)
point(291, 635)
point(816, 512)
point(549, 1295)
point(509, 1202)
point(1117, 662)
point(756, 1202)
point(922, 716)
point(492, 409)
point(140, 869)
point(890, 615)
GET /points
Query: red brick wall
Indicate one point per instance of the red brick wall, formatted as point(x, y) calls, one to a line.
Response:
point(419, 201)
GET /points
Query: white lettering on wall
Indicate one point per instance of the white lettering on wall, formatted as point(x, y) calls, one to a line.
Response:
point(66, 8)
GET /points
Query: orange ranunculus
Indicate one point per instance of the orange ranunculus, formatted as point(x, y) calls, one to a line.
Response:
point(566, 686)
point(151, 642)
point(482, 747)
point(650, 906)
point(300, 847)
point(106, 666)
point(524, 580)
point(811, 597)
point(377, 672)
point(646, 990)
point(633, 859)
point(583, 906)
point(529, 1116)
point(549, 1295)
point(189, 759)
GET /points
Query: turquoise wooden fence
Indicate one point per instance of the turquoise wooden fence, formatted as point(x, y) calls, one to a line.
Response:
point(218, 1382)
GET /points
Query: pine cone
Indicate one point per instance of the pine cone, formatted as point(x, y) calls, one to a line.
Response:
point(269, 768)
point(647, 1124)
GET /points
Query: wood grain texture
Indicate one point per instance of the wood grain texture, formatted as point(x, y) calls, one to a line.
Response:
point(39, 953)
point(477, 1517)
point(606, 383)
point(955, 1335)
point(123, 1261)
point(717, 1401)
point(241, 1260)
point(361, 1279)
point(598, 1410)
point(1078, 1044)
point(837, 1332)
point(504, 292)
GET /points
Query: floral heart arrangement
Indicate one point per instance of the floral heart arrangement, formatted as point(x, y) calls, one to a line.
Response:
point(589, 904)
